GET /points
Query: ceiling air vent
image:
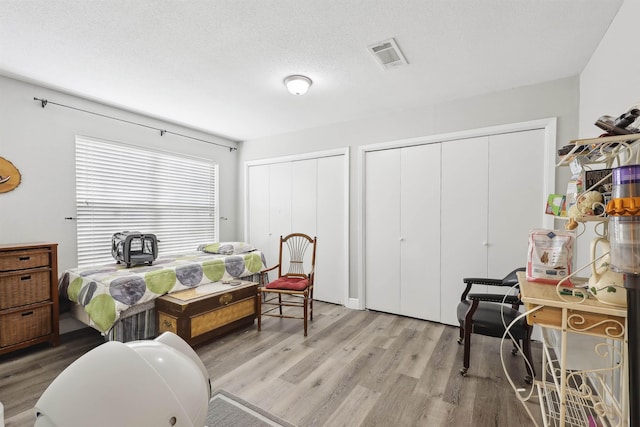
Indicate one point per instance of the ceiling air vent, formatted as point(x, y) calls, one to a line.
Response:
point(388, 54)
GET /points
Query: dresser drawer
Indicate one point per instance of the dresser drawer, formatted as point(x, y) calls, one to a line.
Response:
point(27, 287)
point(21, 260)
point(28, 295)
point(24, 325)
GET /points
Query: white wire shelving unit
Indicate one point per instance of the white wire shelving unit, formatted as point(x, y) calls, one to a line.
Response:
point(589, 397)
point(604, 150)
point(597, 396)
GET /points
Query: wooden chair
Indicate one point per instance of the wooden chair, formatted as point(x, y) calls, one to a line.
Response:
point(294, 285)
point(483, 314)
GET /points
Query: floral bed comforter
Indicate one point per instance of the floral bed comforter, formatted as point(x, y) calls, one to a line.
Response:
point(108, 290)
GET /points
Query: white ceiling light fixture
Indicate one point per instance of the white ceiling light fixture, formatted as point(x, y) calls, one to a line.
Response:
point(297, 85)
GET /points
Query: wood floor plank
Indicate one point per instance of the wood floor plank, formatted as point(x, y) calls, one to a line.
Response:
point(354, 408)
point(310, 392)
point(390, 407)
point(418, 350)
point(435, 412)
point(342, 350)
point(338, 384)
point(350, 350)
point(266, 395)
point(397, 326)
point(397, 348)
point(326, 343)
point(262, 368)
point(322, 392)
point(500, 388)
point(459, 391)
point(342, 329)
point(356, 368)
point(244, 346)
point(443, 360)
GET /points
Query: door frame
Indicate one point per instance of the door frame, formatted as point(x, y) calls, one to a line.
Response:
point(549, 125)
point(345, 153)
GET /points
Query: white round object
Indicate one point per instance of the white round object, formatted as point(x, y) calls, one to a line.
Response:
point(141, 383)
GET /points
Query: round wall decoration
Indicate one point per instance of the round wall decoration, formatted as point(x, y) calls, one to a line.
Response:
point(9, 176)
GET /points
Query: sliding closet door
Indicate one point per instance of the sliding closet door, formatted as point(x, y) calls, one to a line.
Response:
point(492, 196)
point(402, 231)
point(280, 201)
point(382, 230)
point(464, 218)
point(316, 193)
point(517, 197)
point(303, 196)
point(420, 234)
point(332, 257)
point(269, 207)
point(258, 208)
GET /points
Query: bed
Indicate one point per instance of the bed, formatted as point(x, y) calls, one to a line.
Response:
point(120, 302)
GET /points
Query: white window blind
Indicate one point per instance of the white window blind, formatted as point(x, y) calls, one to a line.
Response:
point(126, 188)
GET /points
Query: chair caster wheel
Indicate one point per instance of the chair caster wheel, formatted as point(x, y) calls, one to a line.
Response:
point(460, 341)
point(528, 379)
point(463, 371)
point(514, 351)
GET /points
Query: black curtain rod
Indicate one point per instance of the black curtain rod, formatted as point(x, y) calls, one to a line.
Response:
point(44, 102)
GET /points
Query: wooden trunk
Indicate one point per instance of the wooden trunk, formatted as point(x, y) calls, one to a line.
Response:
point(197, 315)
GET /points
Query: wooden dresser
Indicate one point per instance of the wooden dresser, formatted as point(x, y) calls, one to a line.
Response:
point(28, 295)
point(205, 312)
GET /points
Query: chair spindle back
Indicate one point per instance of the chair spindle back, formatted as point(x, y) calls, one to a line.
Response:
point(297, 247)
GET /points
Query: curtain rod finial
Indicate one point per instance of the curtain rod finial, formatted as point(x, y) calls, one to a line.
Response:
point(43, 102)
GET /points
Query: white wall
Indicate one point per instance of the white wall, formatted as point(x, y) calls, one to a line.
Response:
point(609, 86)
point(552, 99)
point(40, 142)
point(609, 83)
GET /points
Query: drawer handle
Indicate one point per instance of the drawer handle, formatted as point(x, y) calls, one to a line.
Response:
point(25, 278)
point(226, 299)
point(167, 323)
point(27, 313)
point(24, 258)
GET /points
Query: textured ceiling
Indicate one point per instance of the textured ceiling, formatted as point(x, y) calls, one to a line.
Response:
point(218, 65)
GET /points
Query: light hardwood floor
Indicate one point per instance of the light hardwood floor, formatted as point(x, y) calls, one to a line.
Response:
point(356, 368)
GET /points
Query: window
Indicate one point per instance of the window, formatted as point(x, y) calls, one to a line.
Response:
point(127, 188)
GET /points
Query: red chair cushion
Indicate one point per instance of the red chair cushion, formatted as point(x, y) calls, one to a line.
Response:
point(289, 283)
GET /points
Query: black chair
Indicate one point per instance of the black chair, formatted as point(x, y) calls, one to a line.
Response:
point(483, 313)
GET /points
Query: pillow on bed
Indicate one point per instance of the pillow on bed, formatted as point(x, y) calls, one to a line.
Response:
point(227, 248)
